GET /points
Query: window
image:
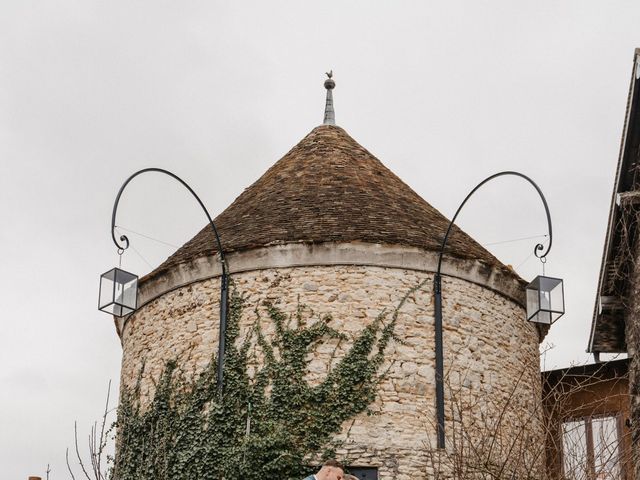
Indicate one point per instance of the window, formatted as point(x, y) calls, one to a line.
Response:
point(364, 473)
point(590, 448)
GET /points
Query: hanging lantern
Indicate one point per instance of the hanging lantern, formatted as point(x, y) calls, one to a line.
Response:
point(118, 292)
point(545, 300)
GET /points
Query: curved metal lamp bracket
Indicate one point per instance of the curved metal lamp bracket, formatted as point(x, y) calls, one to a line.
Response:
point(125, 239)
point(537, 250)
point(224, 292)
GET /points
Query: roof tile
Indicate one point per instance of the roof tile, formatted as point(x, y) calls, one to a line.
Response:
point(328, 188)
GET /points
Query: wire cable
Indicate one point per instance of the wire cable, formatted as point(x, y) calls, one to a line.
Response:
point(137, 252)
point(147, 237)
point(529, 256)
point(515, 240)
point(140, 255)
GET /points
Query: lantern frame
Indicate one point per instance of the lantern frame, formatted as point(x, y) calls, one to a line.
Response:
point(124, 286)
point(542, 296)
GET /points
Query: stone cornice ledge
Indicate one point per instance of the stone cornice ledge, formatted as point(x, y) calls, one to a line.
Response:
point(502, 281)
point(327, 254)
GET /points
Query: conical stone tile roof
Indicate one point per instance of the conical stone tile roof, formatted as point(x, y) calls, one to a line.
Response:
point(328, 188)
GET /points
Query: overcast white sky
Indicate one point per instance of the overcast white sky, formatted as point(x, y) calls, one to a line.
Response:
point(443, 93)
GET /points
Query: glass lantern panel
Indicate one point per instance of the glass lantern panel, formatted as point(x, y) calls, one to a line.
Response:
point(107, 288)
point(126, 289)
point(533, 302)
point(557, 298)
point(551, 295)
point(545, 300)
point(129, 291)
point(120, 311)
point(542, 316)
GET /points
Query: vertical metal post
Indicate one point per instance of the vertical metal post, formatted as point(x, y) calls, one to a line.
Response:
point(224, 295)
point(439, 359)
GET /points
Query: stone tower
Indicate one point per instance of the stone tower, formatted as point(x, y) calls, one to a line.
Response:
point(329, 227)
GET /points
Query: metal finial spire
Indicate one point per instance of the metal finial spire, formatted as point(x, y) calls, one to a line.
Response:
point(329, 113)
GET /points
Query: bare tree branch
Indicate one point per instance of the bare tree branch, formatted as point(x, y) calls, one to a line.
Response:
point(68, 465)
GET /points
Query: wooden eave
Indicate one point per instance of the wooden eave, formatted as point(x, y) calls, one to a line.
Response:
point(608, 324)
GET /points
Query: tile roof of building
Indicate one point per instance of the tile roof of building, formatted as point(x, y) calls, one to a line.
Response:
point(328, 188)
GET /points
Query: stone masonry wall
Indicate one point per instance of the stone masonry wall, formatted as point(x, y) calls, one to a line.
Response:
point(491, 357)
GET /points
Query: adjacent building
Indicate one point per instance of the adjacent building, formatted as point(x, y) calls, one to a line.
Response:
point(616, 319)
point(594, 410)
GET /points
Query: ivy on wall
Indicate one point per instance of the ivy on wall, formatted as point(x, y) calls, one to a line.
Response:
point(270, 421)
